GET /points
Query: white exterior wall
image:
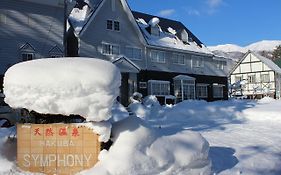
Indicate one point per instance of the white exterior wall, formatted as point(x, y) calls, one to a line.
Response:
point(251, 65)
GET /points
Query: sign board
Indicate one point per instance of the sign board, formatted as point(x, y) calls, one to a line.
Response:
point(56, 148)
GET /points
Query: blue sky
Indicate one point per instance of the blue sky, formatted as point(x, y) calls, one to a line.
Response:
point(214, 22)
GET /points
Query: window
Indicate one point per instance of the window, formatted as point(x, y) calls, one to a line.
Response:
point(217, 91)
point(220, 64)
point(184, 89)
point(252, 78)
point(238, 78)
point(109, 24)
point(156, 87)
point(178, 59)
point(113, 25)
point(110, 49)
point(265, 78)
point(27, 56)
point(27, 52)
point(202, 90)
point(157, 56)
point(116, 25)
point(133, 53)
point(197, 61)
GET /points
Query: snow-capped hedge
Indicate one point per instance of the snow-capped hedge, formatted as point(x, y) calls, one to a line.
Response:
point(81, 86)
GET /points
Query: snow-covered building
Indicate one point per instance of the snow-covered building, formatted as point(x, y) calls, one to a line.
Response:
point(29, 29)
point(156, 56)
point(255, 76)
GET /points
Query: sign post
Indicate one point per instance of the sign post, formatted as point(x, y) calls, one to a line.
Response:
point(56, 148)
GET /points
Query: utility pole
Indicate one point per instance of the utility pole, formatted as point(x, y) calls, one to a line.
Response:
point(65, 28)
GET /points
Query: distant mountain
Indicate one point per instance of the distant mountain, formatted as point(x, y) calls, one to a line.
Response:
point(236, 52)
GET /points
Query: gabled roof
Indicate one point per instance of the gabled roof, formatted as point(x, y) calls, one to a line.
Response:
point(27, 47)
point(55, 49)
point(263, 59)
point(126, 65)
point(183, 77)
point(166, 23)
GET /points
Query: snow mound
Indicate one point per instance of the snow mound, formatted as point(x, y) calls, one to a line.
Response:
point(154, 21)
point(150, 152)
point(80, 86)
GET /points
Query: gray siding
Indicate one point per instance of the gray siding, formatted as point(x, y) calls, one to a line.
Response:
point(209, 67)
point(24, 22)
point(96, 33)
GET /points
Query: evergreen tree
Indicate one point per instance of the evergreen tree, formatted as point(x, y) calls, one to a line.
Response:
point(277, 53)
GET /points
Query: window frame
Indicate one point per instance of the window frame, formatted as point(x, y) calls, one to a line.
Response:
point(27, 54)
point(197, 61)
point(218, 94)
point(205, 94)
point(157, 59)
point(163, 91)
point(133, 52)
point(262, 78)
point(111, 49)
point(176, 59)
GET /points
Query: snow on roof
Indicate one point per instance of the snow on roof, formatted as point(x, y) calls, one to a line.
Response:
point(80, 86)
point(166, 39)
point(154, 21)
point(172, 31)
point(79, 17)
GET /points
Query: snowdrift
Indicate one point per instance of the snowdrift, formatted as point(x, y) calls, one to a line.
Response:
point(80, 86)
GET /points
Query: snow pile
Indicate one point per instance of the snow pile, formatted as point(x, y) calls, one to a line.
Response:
point(79, 17)
point(147, 109)
point(139, 149)
point(80, 86)
point(119, 112)
point(154, 22)
point(7, 150)
point(103, 129)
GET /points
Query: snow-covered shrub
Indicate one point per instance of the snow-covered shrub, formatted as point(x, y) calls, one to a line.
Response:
point(79, 86)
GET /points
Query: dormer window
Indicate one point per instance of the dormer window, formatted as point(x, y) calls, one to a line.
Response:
point(27, 52)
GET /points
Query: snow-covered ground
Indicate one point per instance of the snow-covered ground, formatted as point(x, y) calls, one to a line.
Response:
point(243, 135)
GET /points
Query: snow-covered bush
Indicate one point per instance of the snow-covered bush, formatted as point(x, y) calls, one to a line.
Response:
point(79, 86)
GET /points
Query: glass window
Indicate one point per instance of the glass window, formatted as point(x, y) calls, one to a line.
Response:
point(197, 61)
point(184, 90)
point(27, 56)
point(202, 91)
point(133, 53)
point(110, 49)
point(109, 24)
point(265, 78)
point(158, 87)
point(220, 64)
point(218, 91)
point(157, 56)
point(251, 78)
point(117, 25)
point(178, 59)
point(238, 78)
